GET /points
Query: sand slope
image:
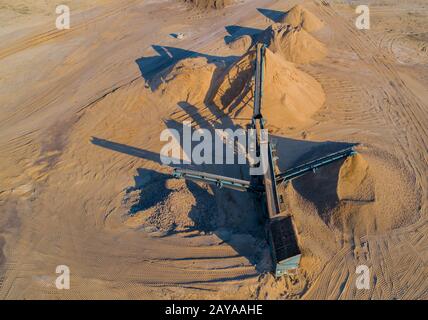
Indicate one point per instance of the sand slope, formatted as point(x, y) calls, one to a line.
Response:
point(290, 95)
point(188, 80)
point(299, 16)
point(294, 44)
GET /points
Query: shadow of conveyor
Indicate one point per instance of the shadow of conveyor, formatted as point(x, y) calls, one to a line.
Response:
point(244, 210)
point(320, 187)
point(274, 15)
point(126, 149)
point(238, 31)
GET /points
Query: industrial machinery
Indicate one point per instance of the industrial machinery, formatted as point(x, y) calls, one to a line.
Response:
point(281, 232)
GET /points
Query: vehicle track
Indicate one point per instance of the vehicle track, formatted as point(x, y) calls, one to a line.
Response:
point(406, 114)
point(52, 34)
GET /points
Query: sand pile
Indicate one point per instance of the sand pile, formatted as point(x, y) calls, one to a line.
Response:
point(209, 4)
point(295, 44)
point(290, 96)
point(188, 80)
point(241, 44)
point(362, 196)
point(170, 205)
point(234, 87)
point(354, 182)
point(299, 16)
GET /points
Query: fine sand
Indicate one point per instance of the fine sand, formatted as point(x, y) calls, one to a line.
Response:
point(82, 184)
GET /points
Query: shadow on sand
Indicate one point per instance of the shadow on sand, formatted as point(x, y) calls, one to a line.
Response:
point(274, 15)
point(235, 217)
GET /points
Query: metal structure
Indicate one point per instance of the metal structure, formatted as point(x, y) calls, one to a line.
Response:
point(280, 229)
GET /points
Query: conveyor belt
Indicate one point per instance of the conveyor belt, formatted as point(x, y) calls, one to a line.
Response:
point(219, 181)
point(313, 165)
point(258, 92)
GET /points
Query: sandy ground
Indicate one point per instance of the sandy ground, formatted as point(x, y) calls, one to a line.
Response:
point(81, 183)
